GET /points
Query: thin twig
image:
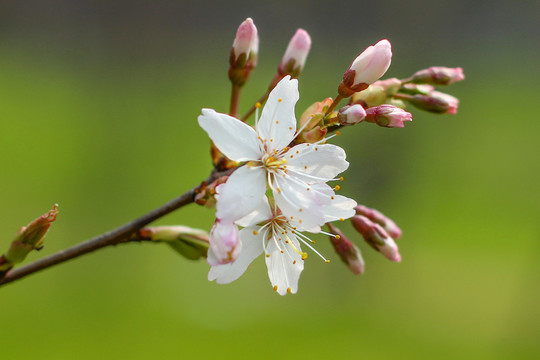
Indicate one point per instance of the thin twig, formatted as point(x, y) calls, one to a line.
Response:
point(122, 234)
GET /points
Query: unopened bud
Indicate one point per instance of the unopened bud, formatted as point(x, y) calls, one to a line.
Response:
point(377, 237)
point(376, 216)
point(367, 68)
point(436, 102)
point(314, 114)
point(28, 238)
point(388, 116)
point(225, 243)
point(415, 89)
point(314, 135)
point(347, 251)
point(351, 114)
point(295, 56)
point(243, 57)
point(438, 75)
point(188, 242)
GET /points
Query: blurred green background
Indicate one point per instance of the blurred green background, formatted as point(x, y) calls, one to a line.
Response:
point(98, 107)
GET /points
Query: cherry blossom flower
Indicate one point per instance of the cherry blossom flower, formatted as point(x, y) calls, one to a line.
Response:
point(296, 175)
point(269, 230)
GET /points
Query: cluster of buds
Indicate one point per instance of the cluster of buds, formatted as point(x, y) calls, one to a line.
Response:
point(28, 238)
point(379, 231)
point(381, 102)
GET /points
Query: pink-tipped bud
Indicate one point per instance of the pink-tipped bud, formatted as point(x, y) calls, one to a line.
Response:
point(367, 68)
point(243, 57)
point(388, 116)
point(295, 56)
point(438, 75)
point(347, 251)
point(246, 40)
point(225, 243)
point(377, 217)
point(436, 102)
point(377, 237)
point(351, 114)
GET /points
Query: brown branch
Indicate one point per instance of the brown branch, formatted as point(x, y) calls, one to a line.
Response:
point(122, 234)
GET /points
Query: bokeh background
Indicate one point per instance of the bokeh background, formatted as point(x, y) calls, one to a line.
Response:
point(98, 107)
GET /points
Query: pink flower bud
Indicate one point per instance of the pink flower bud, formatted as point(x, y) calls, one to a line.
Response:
point(438, 75)
point(347, 251)
point(225, 243)
point(376, 216)
point(436, 102)
point(377, 237)
point(388, 116)
point(367, 68)
point(243, 57)
point(351, 114)
point(295, 56)
point(246, 40)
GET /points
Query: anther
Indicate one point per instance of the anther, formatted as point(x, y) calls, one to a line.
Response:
point(258, 105)
point(327, 261)
point(337, 187)
point(280, 100)
point(267, 255)
point(275, 287)
point(255, 232)
point(289, 290)
point(341, 178)
point(294, 262)
point(337, 237)
point(341, 219)
point(282, 251)
point(338, 133)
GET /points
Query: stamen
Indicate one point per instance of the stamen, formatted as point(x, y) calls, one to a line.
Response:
point(303, 239)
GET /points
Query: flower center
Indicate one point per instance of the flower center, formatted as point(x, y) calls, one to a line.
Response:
point(273, 163)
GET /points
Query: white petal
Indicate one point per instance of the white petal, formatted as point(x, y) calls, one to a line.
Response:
point(232, 137)
point(316, 163)
point(340, 207)
point(277, 125)
point(241, 194)
point(284, 268)
point(260, 214)
point(299, 203)
point(251, 248)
